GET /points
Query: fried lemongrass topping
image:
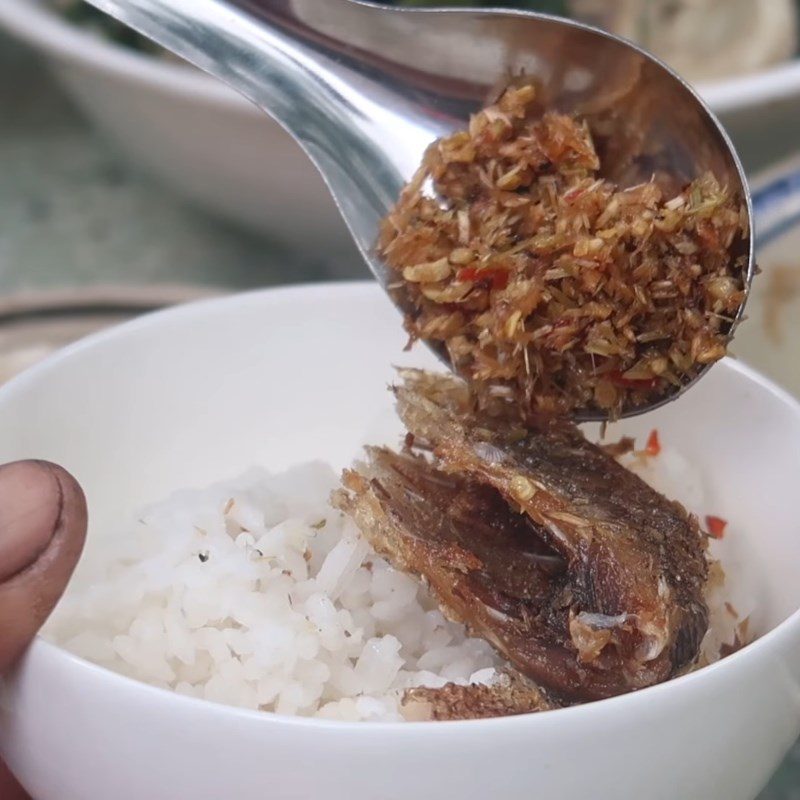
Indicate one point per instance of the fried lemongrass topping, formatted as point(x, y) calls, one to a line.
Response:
point(546, 281)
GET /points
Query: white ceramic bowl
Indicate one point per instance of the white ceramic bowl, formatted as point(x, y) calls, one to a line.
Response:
point(199, 393)
point(201, 138)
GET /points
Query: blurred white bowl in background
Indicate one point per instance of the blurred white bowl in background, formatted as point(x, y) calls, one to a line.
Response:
point(215, 148)
point(770, 339)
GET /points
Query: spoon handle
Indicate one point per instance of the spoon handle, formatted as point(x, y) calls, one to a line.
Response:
point(320, 89)
point(262, 54)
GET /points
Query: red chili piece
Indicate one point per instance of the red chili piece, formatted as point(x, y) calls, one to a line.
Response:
point(618, 379)
point(498, 278)
point(653, 446)
point(716, 526)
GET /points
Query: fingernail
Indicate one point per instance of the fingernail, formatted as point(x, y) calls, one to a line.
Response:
point(30, 505)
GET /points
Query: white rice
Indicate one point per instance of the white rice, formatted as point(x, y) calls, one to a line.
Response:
point(256, 593)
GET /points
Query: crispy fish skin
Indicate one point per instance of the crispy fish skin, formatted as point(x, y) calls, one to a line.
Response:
point(486, 564)
point(511, 694)
point(636, 561)
point(482, 560)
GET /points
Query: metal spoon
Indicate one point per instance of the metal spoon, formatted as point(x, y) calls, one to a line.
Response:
point(364, 89)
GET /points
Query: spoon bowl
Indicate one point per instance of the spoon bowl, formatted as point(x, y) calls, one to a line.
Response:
point(364, 89)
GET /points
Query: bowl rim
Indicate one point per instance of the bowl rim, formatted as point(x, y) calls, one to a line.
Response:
point(627, 703)
point(46, 30)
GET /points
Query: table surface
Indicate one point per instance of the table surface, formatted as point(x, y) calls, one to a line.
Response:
point(72, 214)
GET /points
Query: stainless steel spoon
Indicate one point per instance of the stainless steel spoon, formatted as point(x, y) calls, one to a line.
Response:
point(364, 89)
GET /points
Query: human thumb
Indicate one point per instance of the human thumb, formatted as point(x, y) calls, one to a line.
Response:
point(42, 531)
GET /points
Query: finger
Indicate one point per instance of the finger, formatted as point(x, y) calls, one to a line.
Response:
point(42, 531)
point(9, 788)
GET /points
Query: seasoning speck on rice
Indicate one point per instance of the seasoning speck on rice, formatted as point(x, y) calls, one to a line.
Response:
point(544, 280)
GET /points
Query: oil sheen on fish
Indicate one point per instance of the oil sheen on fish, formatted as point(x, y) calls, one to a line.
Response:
point(587, 580)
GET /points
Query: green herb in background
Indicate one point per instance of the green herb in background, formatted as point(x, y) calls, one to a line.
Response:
point(87, 16)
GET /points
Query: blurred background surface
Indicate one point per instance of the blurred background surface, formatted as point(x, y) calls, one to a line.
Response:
point(128, 179)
